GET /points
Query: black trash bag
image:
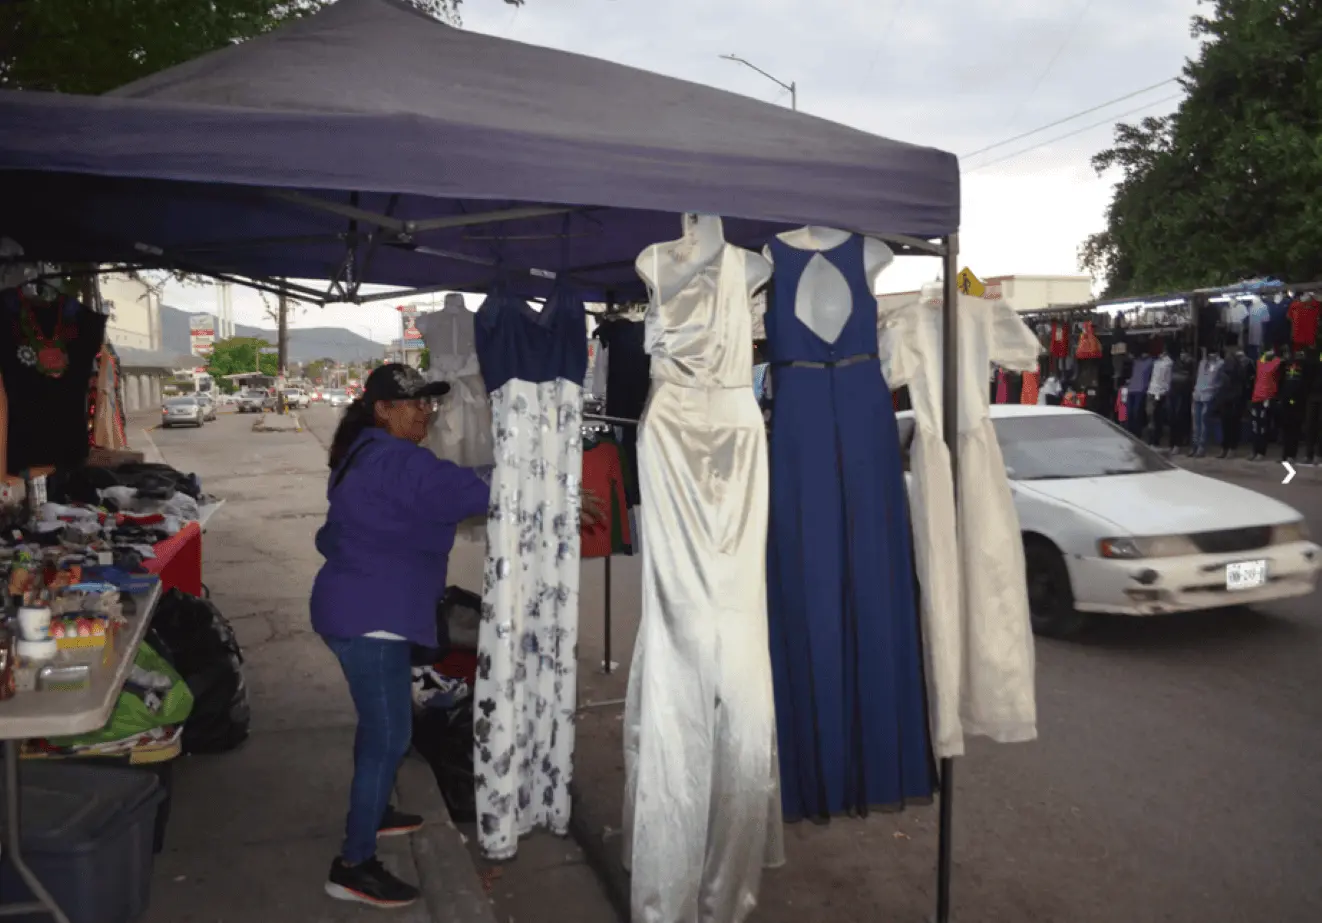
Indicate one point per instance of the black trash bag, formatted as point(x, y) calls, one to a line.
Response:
point(202, 646)
point(444, 738)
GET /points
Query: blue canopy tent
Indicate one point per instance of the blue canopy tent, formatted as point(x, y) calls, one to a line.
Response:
point(371, 144)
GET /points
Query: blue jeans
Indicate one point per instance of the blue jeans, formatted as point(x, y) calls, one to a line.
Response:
point(1201, 418)
point(380, 676)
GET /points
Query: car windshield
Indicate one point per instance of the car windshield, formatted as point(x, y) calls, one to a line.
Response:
point(1042, 447)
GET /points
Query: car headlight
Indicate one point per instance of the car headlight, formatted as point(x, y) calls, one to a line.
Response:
point(1290, 532)
point(1155, 546)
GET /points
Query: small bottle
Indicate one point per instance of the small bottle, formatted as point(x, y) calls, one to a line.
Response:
point(6, 664)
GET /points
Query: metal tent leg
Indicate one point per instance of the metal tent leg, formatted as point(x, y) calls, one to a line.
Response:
point(607, 664)
point(44, 903)
point(950, 427)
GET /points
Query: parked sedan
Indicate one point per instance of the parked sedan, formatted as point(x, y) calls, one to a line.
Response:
point(182, 411)
point(1111, 526)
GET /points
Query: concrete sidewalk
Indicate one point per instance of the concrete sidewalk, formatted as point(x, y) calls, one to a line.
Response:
point(252, 832)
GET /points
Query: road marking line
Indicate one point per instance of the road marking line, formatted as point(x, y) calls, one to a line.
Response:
point(1289, 472)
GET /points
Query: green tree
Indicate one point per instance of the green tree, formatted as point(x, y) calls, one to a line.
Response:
point(238, 355)
point(91, 46)
point(1227, 187)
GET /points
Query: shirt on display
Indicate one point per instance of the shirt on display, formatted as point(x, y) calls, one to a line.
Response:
point(603, 476)
point(1141, 375)
point(1265, 381)
point(1303, 317)
point(1258, 320)
point(1209, 379)
point(1234, 313)
point(47, 354)
point(1160, 383)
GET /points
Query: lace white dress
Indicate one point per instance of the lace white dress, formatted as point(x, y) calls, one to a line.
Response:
point(979, 640)
point(461, 429)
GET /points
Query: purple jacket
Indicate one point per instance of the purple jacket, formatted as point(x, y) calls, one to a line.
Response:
point(387, 539)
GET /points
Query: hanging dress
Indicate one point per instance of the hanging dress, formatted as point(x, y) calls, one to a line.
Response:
point(533, 365)
point(701, 809)
point(850, 712)
point(461, 430)
point(980, 642)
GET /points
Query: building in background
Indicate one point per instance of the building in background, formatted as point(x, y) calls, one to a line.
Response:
point(202, 335)
point(134, 311)
point(1023, 293)
point(133, 328)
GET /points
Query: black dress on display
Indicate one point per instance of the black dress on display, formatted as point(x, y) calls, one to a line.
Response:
point(47, 352)
point(628, 381)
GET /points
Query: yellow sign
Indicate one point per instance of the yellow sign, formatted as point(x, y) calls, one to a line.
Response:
point(969, 284)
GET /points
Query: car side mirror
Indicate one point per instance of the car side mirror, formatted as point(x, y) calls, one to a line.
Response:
point(1009, 472)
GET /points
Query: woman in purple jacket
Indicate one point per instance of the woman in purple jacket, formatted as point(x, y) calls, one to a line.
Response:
point(391, 525)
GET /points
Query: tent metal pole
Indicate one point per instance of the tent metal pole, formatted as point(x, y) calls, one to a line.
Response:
point(950, 428)
point(935, 248)
point(164, 260)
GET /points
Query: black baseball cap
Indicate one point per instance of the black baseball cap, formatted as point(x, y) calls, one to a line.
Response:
point(397, 382)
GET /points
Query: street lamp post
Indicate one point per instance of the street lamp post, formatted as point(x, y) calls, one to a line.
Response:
point(792, 87)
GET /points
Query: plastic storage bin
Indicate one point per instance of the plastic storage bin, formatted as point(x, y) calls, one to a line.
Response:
point(87, 834)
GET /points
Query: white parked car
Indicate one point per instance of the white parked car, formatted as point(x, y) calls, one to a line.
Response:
point(1111, 526)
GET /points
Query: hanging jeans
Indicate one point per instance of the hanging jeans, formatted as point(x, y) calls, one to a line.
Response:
point(1160, 405)
point(1136, 412)
point(1313, 427)
point(1260, 424)
point(1292, 424)
point(1232, 415)
point(1178, 413)
point(380, 676)
point(1201, 415)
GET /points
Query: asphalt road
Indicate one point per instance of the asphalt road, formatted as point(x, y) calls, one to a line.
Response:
point(1178, 774)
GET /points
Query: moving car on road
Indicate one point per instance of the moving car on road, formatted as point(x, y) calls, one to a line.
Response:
point(1111, 526)
point(182, 411)
point(208, 406)
point(296, 398)
point(338, 398)
point(255, 401)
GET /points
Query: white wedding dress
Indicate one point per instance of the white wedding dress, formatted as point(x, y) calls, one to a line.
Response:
point(976, 627)
point(702, 804)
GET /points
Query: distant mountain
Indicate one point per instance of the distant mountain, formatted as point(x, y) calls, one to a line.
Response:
point(305, 343)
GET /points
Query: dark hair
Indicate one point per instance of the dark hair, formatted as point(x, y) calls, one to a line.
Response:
point(358, 416)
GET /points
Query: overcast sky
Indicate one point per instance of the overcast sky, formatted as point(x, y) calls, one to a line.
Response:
point(955, 74)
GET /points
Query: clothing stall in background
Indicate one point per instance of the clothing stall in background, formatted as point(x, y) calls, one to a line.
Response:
point(551, 207)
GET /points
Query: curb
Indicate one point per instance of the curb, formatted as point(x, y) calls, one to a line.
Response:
point(449, 882)
point(261, 426)
point(602, 855)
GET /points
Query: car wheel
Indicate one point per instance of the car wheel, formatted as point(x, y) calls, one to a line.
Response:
point(1050, 596)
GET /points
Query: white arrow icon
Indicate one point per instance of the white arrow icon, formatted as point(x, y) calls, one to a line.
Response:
point(1289, 472)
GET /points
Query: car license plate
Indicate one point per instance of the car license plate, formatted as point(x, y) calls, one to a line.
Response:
point(1246, 575)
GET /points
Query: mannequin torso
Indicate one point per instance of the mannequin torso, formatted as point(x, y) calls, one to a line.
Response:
point(823, 299)
point(668, 267)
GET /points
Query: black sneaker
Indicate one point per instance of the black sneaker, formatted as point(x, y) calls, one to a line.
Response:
point(368, 883)
point(397, 823)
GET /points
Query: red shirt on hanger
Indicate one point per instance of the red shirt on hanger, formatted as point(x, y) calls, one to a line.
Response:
point(1264, 385)
point(1060, 340)
point(1303, 317)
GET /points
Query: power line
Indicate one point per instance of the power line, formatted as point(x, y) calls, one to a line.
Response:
point(1060, 49)
point(1069, 118)
point(885, 33)
point(1078, 131)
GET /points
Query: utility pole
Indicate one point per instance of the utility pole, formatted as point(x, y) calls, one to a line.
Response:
point(282, 347)
point(792, 86)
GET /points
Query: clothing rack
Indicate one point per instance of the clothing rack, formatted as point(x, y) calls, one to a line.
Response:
point(607, 664)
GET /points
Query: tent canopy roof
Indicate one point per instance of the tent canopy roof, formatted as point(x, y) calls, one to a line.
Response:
point(370, 143)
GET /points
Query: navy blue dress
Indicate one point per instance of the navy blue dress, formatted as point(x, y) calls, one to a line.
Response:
point(846, 653)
